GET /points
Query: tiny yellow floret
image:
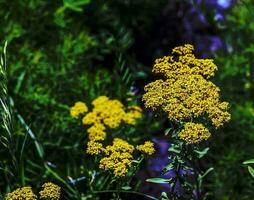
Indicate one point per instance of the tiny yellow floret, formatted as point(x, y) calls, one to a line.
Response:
point(78, 109)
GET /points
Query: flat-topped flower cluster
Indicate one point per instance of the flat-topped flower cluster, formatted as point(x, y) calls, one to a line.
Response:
point(50, 191)
point(185, 92)
point(110, 114)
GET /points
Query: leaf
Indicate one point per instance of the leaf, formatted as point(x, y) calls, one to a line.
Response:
point(164, 196)
point(207, 172)
point(251, 170)
point(167, 131)
point(202, 153)
point(158, 180)
point(126, 188)
point(251, 161)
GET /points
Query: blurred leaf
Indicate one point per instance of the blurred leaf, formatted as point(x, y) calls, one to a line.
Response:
point(251, 170)
point(158, 180)
point(248, 162)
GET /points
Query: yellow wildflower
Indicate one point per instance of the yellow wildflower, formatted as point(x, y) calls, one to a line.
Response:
point(194, 133)
point(118, 157)
point(100, 100)
point(109, 113)
point(185, 92)
point(218, 115)
point(183, 62)
point(78, 109)
point(24, 193)
point(106, 111)
point(147, 148)
point(91, 118)
point(50, 191)
point(94, 148)
point(96, 132)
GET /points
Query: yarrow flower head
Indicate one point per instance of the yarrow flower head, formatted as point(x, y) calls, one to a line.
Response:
point(185, 91)
point(50, 191)
point(111, 113)
point(24, 193)
point(78, 109)
point(147, 148)
point(118, 157)
point(194, 133)
point(94, 148)
point(108, 113)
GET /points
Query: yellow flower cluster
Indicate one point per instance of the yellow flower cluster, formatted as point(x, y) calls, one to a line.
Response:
point(24, 193)
point(194, 133)
point(147, 148)
point(185, 92)
point(50, 191)
point(108, 113)
point(94, 148)
point(118, 157)
point(183, 62)
point(111, 113)
point(78, 109)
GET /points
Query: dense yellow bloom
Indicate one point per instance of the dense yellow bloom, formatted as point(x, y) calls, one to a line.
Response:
point(94, 148)
point(78, 109)
point(24, 193)
point(183, 62)
point(96, 132)
point(111, 113)
point(118, 157)
point(50, 191)
point(218, 115)
point(194, 133)
point(100, 100)
point(147, 148)
point(185, 91)
point(108, 113)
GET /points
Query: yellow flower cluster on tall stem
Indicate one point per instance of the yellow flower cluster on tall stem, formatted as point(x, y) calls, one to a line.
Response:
point(110, 114)
point(186, 93)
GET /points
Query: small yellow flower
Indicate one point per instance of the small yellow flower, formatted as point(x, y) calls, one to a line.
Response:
point(147, 148)
point(108, 113)
point(78, 109)
point(100, 100)
point(118, 157)
point(194, 133)
point(96, 132)
point(50, 191)
point(24, 193)
point(94, 148)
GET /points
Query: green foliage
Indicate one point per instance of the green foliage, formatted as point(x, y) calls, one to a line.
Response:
point(61, 52)
point(234, 144)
